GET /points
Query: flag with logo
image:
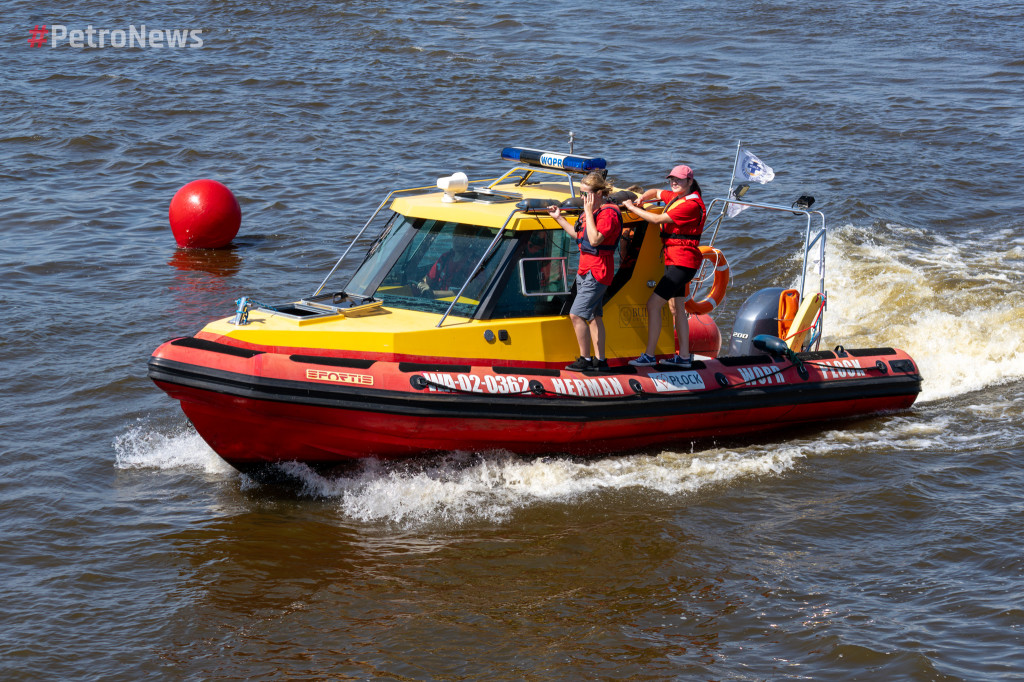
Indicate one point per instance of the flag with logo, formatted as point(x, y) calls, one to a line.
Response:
point(748, 169)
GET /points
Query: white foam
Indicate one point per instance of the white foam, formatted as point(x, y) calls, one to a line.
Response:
point(461, 488)
point(143, 447)
point(956, 307)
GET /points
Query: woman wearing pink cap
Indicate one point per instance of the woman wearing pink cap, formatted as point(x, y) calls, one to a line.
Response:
point(681, 223)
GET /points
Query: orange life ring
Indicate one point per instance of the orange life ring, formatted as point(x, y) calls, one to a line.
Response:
point(721, 283)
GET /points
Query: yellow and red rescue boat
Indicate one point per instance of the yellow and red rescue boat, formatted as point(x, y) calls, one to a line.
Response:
point(406, 359)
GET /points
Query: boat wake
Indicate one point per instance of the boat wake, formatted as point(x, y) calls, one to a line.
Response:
point(461, 488)
point(955, 306)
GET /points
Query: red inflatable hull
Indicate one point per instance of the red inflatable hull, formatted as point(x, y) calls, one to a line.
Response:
point(258, 407)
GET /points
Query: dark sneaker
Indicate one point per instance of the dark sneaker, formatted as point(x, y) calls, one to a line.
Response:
point(600, 365)
point(580, 365)
point(644, 360)
point(680, 362)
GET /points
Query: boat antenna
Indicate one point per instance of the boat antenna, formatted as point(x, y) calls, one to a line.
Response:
point(572, 139)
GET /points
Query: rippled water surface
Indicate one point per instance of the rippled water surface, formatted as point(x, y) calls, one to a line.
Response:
point(882, 548)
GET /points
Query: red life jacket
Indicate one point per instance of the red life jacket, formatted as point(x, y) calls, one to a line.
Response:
point(581, 235)
point(688, 234)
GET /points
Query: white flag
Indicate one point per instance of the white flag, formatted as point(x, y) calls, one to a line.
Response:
point(737, 194)
point(749, 168)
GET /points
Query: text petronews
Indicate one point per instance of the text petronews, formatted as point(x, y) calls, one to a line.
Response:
point(119, 38)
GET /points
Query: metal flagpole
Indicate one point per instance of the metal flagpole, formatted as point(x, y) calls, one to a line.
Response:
point(717, 222)
point(732, 175)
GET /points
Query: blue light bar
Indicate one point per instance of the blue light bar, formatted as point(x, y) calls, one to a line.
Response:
point(540, 158)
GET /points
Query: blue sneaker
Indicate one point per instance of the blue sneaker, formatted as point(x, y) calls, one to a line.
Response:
point(644, 360)
point(680, 362)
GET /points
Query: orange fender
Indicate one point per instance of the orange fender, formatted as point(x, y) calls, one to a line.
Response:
point(705, 337)
point(789, 302)
point(804, 321)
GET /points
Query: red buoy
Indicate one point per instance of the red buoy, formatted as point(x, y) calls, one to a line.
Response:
point(204, 214)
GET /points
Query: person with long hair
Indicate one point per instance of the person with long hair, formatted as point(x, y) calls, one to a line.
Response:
point(681, 224)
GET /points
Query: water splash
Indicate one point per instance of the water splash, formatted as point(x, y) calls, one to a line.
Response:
point(955, 305)
point(460, 487)
point(144, 447)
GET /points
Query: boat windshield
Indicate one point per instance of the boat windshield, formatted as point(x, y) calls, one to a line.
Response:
point(420, 264)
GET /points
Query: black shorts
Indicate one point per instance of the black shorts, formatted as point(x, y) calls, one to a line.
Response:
point(673, 283)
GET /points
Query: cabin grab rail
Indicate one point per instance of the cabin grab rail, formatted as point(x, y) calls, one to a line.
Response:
point(530, 171)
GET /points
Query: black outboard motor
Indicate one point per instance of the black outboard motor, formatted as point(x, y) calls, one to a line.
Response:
point(759, 314)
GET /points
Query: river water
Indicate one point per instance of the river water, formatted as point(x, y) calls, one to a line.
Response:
point(881, 548)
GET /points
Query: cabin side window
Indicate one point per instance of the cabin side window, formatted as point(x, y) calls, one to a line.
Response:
point(538, 278)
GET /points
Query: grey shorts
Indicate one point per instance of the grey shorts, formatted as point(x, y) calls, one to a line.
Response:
point(589, 293)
